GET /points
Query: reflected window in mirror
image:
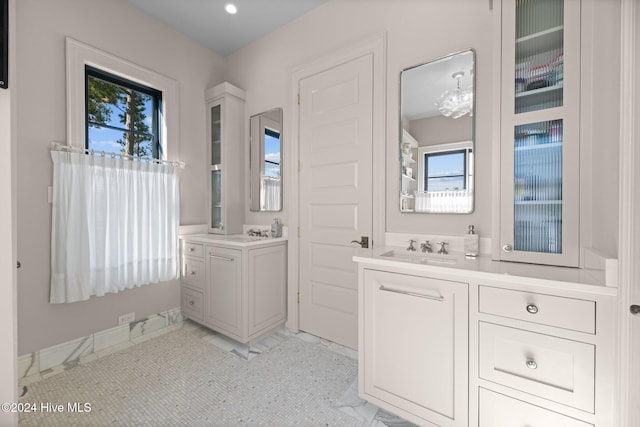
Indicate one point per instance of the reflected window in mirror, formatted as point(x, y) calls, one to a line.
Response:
point(266, 161)
point(437, 102)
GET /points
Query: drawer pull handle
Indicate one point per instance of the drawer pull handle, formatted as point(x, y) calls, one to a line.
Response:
point(413, 294)
point(192, 302)
point(532, 308)
point(531, 364)
point(220, 257)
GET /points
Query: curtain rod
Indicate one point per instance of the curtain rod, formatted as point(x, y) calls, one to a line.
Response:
point(57, 146)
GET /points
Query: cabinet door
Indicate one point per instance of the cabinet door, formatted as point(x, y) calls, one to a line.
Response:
point(415, 349)
point(540, 107)
point(223, 293)
point(214, 149)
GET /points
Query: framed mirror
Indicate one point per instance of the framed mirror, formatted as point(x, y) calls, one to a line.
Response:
point(265, 163)
point(437, 134)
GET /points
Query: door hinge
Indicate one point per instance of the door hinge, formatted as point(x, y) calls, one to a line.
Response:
point(298, 297)
point(298, 165)
point(298, 99)
point(298, 231)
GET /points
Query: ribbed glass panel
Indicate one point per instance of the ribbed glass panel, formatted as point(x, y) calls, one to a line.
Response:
point(216, 199)
point(538, 187)
point(539, 65)
point(215, 135)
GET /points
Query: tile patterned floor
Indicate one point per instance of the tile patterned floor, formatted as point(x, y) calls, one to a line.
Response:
point(195, 377)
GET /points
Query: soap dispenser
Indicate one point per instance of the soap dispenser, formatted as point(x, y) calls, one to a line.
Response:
point(471, 243)
point(276, 228)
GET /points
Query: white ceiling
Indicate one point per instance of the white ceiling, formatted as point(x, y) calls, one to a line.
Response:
point(207, 22)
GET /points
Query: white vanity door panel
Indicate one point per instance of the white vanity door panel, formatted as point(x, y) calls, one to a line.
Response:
point(224, 292)
point(553, 368)
point(415, 345)
point(497, 410)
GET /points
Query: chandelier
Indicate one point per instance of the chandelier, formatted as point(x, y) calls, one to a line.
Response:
point(457, 102)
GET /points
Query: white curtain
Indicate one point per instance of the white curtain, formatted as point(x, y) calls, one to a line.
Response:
point(270, 194)
point(114, 225)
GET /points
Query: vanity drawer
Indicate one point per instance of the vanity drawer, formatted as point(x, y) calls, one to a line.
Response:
point(192, 303)
point(553, 368)
point(497, 410)
point(567, 313)
point(193, 249)
point(193, 272)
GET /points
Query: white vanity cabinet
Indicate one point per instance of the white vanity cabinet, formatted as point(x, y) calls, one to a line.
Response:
point(225, 157)
point(236, 289)
point(539, 151)
point(486, 343)
point(413, 346)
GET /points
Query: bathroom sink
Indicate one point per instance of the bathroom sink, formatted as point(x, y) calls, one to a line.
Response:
point(421, 257)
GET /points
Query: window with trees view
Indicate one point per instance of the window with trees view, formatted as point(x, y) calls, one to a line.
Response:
point(121, 116)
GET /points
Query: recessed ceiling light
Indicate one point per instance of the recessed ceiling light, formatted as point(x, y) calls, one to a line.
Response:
point(231, 8)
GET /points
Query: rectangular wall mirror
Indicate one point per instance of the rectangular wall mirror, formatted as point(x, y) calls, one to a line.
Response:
point(266, 161)
point(437, 135)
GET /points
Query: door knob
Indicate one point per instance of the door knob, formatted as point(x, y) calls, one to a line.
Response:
point(634, 309)
point(364, 242)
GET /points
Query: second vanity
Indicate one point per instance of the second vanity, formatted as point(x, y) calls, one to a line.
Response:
point(450, 341)
point(234, 284)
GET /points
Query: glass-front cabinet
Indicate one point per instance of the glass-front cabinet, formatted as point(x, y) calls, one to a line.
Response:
point(539, 153)
point(225, 158)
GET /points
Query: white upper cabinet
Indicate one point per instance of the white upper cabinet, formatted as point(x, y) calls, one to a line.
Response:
point(540, 132)
point(225, 158)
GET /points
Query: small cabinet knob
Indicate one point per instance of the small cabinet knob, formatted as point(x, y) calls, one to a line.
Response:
point(192, 249)
point(532, 308)
point(507, 248)
point(531, 364)
point(193, 273)
point(192, 302)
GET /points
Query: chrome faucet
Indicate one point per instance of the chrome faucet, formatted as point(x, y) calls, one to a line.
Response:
point(426, 247)
point(411, 248)
point(442, 249)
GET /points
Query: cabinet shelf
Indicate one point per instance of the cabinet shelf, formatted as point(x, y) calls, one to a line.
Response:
point(539, 42)
point(544, 146)
point(408, 178)
point(538, 202)
point(532, 99)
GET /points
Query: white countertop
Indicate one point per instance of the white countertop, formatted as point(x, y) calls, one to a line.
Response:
point(232, 240)
point(483, 267)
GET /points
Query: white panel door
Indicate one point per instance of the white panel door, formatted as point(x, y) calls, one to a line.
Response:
point(336, 122)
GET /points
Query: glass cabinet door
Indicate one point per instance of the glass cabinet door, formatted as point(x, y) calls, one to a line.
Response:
point(216, 199)
point(215, 167)
point(540, 132)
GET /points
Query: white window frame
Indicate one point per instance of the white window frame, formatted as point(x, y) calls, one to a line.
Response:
point(80, 54)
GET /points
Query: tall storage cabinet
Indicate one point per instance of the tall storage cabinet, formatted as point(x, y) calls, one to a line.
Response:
point(225, 158)
point(539, 132)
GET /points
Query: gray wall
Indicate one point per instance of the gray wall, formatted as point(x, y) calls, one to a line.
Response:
point(415, 32)
point(118, 28)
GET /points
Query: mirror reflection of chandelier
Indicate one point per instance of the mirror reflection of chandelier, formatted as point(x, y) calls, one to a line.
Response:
point(457, 102)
